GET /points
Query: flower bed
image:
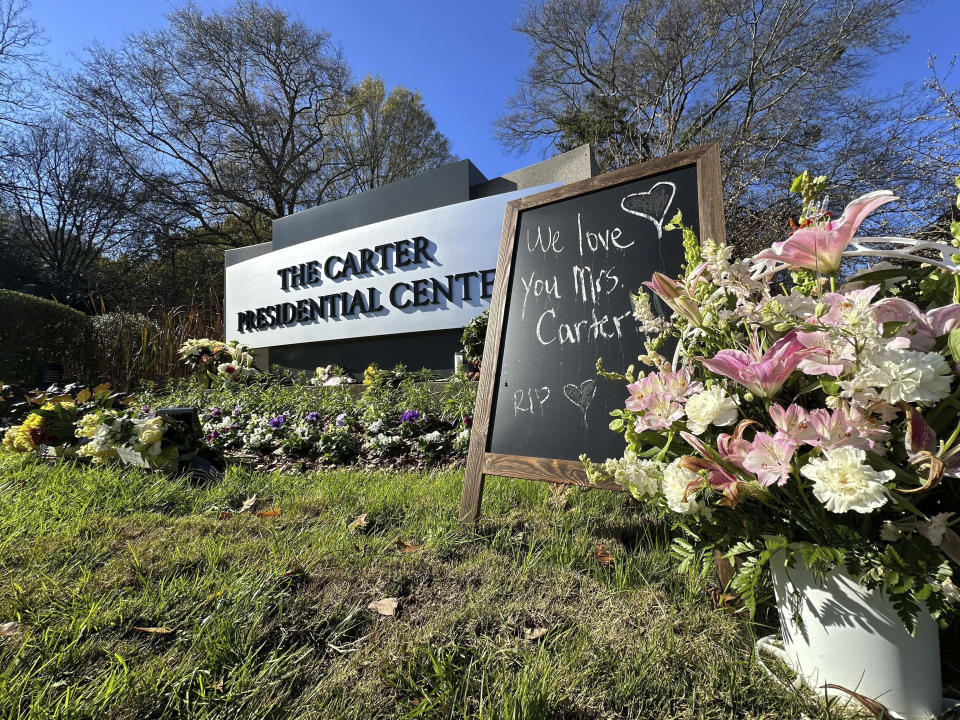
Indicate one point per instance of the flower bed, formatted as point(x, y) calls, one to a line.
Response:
point(395, 418)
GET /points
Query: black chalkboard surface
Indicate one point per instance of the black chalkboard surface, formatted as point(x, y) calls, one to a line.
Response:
point(569, 260)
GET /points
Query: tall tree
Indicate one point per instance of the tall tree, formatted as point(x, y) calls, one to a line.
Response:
point(20, 39)
point(73, 202)
point(223, 116)
point(777, 82)
point(385, 137)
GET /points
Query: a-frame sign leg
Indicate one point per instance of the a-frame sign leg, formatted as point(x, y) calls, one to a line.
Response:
point(472, 494)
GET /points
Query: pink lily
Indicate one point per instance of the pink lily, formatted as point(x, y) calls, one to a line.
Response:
point(822, 359)
point(770, 458)
point(669, 291)
point(793, 423)
point(842, 427)
point(765, 374)
point(717, 468)
point(924, 451)
point(921, 329)
point(820, 248)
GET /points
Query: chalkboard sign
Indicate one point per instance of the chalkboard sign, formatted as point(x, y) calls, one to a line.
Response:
point(569, 260)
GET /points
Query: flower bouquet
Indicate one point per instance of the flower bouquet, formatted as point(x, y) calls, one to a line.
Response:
point(805, 422)
point(96, 426)
point(214, 361)
point(331, 376)
point(49, 418)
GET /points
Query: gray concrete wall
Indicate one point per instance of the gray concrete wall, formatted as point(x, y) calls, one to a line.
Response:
point(577, 164)
point(435, 188)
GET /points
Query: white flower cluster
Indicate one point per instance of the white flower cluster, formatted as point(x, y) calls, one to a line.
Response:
point(843, 481)
point(134, 441)
point(461, 442)
point(911, 376)
point(710, 407)
point(383, 445)
point(331, 376)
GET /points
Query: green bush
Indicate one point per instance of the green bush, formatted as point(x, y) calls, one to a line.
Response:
point(34, 331)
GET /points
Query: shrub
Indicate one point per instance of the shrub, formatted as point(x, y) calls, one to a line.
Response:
point(34, 331)
point(473, 338)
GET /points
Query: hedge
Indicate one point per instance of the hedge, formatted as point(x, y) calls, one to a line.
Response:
point(35, 331)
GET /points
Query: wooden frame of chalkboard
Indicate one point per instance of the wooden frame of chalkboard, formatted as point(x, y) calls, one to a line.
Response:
point(705, 161)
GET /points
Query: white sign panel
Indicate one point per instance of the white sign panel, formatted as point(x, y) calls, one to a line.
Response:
point(431, 270)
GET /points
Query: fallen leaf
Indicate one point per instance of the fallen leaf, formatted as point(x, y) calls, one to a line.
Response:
point(154, 630)
point(534, 634)
point(404, 546)
point(878, 710)
point(387, 606)
point(358, 523)
point(274, 512)
point(9, 628)
point(248, 503)
point(722, 599)
point(603, 556)
point(226, 515)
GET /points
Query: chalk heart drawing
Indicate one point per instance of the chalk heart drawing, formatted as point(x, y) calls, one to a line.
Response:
point(652, 204)
point(581, 395)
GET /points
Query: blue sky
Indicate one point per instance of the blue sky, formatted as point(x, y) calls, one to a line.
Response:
point(463, 56)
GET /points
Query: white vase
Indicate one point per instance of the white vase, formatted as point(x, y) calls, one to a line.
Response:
point(852, 637)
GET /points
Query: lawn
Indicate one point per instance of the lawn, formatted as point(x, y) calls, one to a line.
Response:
point(137, 596)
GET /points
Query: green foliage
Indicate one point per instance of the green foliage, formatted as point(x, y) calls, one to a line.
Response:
point(473, 338)
point(34, 331)
point(692, 253)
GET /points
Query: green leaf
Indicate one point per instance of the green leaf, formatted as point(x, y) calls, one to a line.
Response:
point(675, 222)
point(830, 387)
point(955, 225)
point(953, 342)
point(892, 328)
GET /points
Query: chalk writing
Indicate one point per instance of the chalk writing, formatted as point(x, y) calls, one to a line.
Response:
point(651, 204)
point(581, 395)
point(539, 287)
point(589, 288)
point(530, 400)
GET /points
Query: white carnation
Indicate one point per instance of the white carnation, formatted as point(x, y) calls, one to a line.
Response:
point(712, 406)
point(676, 480)
point(908, 376)
point(842, 481)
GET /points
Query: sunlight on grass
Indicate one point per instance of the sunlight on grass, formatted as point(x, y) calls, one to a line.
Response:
point(253, 617)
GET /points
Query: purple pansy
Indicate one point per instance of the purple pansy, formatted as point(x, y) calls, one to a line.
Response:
point(410, 416)
point(277, 422)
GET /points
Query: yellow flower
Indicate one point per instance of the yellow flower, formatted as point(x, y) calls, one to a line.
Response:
point(25, 437)
point(87, 425)
point(150, 431)
point(10, 437)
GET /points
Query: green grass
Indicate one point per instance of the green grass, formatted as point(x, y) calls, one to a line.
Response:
point(268, 616)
